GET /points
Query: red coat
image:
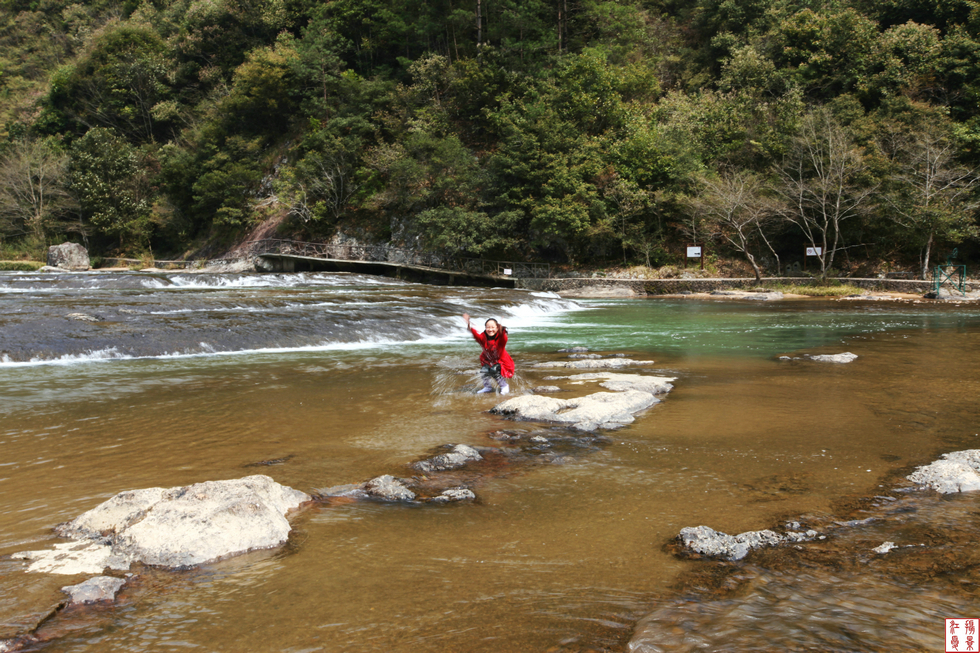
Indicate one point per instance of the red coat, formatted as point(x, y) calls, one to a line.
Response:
point(494, 352)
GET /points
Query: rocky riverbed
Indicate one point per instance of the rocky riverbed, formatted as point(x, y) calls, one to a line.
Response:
point(816, 584)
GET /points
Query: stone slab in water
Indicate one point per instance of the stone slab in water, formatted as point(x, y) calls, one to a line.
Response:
point(94, 590)
point(69, 256)
point(655, 385)
point(175, 527)
point(74, 557)
point(599, 410)
point(599, 364)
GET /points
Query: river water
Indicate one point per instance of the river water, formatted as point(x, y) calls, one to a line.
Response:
point(117, 381)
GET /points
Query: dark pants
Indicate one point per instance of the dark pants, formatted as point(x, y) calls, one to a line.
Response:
point(491, 372)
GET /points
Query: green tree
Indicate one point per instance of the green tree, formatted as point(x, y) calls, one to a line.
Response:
point(108, 178)
point(441, 184)
point(262, 94)
point(825, 52)
point(318, 65)
point(226, 180)
point(116, 86)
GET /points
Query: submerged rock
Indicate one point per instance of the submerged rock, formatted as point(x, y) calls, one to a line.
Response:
point(94, 590)
point(546, 389)
point(846, 357)
point(175, 527)
point(958, 471)
point(655, 385)
point(348, 491)
point(454, 494)
point(459, 456)
point(597, 364)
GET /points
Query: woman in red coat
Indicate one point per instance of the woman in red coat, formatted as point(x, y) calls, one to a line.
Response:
point(495, 361)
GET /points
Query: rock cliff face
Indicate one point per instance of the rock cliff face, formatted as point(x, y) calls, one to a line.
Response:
point(69, 256)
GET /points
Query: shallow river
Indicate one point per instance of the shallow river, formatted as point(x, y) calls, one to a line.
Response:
point(121, 381)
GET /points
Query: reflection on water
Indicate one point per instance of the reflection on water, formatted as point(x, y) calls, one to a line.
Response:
point(555, 557)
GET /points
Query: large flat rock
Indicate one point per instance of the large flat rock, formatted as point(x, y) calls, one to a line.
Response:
point(595, 411)
point(175, 527)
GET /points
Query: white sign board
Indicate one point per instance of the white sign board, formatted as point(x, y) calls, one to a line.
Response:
point(508, 271)
point(814, 251)
point(693, 252)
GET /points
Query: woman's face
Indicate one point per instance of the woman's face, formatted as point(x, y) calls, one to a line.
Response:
point(492, 327)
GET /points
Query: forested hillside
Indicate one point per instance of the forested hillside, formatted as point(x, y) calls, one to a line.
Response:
point(574, 131)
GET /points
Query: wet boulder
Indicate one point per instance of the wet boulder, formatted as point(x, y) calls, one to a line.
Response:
point(176, 527)
point(958, 471)
point(69, 256)
point(388, 488)
point(94, 590)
